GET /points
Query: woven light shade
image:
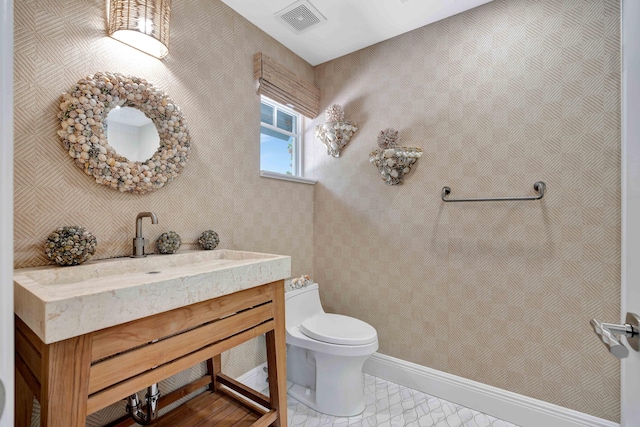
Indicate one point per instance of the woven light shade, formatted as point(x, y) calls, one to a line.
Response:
point(143, 24)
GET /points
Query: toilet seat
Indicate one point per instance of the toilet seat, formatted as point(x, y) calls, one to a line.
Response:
point(338, 329)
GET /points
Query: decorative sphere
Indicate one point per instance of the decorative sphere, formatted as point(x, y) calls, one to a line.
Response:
point(71, 245)
point(168, 243)
point(209, 240)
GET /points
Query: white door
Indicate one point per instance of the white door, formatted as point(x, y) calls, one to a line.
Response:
point(630, 374)
point(6, 213)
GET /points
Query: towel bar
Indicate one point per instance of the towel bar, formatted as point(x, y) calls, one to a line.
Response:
point(538, 186)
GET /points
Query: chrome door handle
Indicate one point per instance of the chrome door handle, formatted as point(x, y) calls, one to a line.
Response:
point(2, 398)
point(608, 334)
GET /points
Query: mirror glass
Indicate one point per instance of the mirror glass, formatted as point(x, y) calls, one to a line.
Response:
point(132, 134)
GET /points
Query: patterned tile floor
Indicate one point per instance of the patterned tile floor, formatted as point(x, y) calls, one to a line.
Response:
point(393, 405)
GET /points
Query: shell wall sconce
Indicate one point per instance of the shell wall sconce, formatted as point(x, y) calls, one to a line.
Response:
point(393, 162)
point(142, 24)
point(336, 132)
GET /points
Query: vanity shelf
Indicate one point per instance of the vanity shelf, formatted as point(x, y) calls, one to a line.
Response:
point(209, 410)
point(81, 375)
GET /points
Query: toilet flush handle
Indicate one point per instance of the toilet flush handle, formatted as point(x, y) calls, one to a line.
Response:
point(608, 332)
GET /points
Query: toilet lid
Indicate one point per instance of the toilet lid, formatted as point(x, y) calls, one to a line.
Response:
point(338, 329)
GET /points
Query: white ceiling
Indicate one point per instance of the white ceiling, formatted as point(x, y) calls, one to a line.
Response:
point(351, 24)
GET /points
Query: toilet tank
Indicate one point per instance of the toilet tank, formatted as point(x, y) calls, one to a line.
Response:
point(301, 304)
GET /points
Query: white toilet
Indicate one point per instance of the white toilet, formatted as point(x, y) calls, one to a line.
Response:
point(325, 354)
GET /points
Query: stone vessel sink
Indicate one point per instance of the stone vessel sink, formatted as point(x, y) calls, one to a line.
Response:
point(63, 302)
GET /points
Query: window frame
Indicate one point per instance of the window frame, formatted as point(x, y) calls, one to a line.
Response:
point(297, 158)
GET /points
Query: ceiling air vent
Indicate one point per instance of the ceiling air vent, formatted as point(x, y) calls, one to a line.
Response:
point(301, 16)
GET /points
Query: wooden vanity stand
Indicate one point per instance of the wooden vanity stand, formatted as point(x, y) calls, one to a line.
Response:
point(80, 375)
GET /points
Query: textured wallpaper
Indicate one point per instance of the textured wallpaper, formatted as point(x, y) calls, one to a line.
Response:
point(209, 73)
point(498, 97)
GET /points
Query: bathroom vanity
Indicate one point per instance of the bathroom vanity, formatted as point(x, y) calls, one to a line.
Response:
point(91, 335)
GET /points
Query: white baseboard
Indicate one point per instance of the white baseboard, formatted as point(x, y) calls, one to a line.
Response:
point(508, 406)
point(256, 378)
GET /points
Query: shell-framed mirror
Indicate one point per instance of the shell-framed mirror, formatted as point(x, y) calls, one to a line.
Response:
point(123, 131)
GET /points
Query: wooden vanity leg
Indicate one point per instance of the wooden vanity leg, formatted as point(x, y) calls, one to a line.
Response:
point(276, 357)
point(214, 367)
point(65, 386)
point(24, 402)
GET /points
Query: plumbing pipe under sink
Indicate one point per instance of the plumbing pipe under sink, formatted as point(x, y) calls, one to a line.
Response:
point(135, 407)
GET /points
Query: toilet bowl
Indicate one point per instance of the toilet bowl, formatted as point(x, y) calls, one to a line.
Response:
point(325, 354)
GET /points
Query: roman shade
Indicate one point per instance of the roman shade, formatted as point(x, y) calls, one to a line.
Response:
point(284, 86)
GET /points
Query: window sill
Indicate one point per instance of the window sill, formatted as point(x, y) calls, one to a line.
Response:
point(293, 178)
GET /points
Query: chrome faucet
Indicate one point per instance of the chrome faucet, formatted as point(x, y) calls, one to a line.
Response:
point(139, 242)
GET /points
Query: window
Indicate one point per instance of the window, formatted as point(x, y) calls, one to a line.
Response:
point(280, 139)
